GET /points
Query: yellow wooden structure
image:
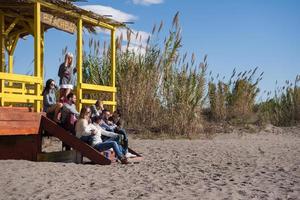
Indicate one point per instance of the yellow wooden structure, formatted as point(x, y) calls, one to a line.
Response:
point(19, 18)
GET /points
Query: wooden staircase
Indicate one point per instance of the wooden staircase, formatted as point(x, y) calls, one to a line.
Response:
point(53, 129)
point(21, 134)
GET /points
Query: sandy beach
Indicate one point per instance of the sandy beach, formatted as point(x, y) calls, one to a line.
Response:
point(264, 165)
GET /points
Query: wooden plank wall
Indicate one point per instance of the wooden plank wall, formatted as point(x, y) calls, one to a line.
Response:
point(19, 133)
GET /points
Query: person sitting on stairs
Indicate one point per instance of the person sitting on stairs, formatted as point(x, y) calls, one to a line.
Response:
point(86, 131)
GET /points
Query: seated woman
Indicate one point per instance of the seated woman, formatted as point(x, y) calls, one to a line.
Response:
point(88, 132)
point(50, 106)
point(97, 108)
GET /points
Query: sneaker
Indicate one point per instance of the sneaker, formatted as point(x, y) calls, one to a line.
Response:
point(130, 155)
point(124, 160)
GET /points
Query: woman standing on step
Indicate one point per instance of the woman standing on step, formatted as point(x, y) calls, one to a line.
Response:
point(66, 75)
point(91, 134)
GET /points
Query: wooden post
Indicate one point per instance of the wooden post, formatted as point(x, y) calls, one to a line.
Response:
point(42, 52)
point(10, 62)
point(37, 52)
point(42, 55)
point(79, 64)
point(113, 65)
point(2, 54)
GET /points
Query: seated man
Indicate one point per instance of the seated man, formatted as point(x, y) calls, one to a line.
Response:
point(108, 135)
point(69, 114)
point(109, 124)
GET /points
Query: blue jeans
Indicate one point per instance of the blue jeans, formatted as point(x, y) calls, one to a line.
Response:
point(87, 139)
point(117, 139)
point(103, 146)
point(124, 141)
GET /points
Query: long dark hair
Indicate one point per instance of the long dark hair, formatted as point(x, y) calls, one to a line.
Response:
point(48, 86)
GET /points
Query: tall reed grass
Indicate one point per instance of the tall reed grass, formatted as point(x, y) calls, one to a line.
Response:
point(235, 99)
point(161, 90)
point(284, 108)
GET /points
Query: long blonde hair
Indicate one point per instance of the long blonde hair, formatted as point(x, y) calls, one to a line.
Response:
point(69, 54)
point(84, 111)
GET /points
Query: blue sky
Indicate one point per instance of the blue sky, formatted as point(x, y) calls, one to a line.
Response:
point(241, 34)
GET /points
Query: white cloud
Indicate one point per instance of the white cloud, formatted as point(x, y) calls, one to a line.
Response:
point(138, 39)
point(134, 48)
point(147, 2)
point(117, 15)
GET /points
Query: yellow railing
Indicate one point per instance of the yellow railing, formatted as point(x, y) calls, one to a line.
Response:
point(27, 89)
point(87, 88)
point(16, 88)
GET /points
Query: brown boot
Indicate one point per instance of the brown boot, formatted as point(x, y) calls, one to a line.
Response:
point(124, 160)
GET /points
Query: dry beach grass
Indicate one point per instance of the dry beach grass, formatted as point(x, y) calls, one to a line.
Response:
point(263, 165)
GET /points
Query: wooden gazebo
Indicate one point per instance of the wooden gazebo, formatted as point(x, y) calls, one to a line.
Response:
point(19, 18)
point(21, 131)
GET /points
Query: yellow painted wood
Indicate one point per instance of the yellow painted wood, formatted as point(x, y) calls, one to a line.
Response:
point(113, 65)
point(10, 63)
point(103, 88)
point(21, 97)
point(18, 90)
point(11, 44)
point(37, 51)
point(93, 101)
point(14, 43)
point(11, 26)
point(2, 55)
point(18, 101)
point(42, 55)
point(79, 62)
point(23, 88)
point(20, 78)
point(2, 45)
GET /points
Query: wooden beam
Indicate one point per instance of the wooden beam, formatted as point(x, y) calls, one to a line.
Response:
point(58, 23)
point(92, 102)
point(99, 88)
point(42, 60)
point(20, 78)
point(79, 62)
point(2, 54)
point(11, 26)
point(21, 98)
point(92, 21)
point(2, 46)
point(113, 65)
point(18, 32)
point(11, 44)
point(37, 51)
point(14, 5)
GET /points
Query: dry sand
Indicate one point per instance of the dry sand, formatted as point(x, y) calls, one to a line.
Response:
point(230, 166)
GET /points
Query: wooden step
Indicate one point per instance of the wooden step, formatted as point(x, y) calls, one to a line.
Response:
point(65, 136)
point(19, 121)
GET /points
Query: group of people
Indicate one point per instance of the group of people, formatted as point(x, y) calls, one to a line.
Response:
point(94, 124)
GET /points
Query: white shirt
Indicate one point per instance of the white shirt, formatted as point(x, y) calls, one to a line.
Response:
point(83, 128)
point(100, 131)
